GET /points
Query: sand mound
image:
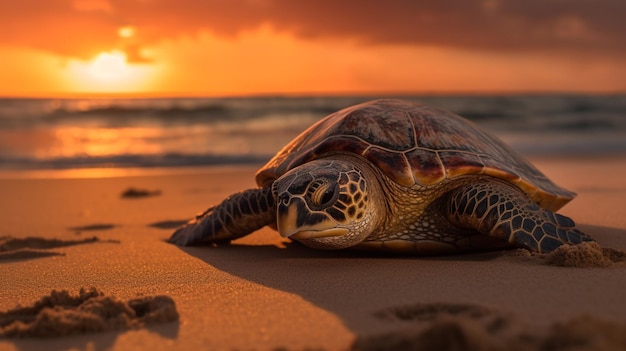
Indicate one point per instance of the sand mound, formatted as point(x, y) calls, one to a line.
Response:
point(588, 254)
point(34, 247)
point(429, 312)
point(61, 314)
point(8, 243)
point(467, 327)
point(93, 227)
point(136, 193)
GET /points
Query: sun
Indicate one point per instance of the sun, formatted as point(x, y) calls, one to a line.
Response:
point(109, 66)
point(109, 72)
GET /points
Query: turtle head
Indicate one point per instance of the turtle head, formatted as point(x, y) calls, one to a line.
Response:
point(325, 204)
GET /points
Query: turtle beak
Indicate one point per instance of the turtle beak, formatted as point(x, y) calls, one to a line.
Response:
point(287, 217)
point(295, 220)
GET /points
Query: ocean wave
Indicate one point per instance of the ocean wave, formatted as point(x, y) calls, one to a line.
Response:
point(54, 133)
point(129, 161)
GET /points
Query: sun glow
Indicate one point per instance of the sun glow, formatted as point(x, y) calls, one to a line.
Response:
point(109, 66)
point(110, 72)
point(126, 32)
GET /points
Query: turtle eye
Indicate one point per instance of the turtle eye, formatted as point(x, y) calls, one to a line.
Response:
point(324, 195)
point(327, 196)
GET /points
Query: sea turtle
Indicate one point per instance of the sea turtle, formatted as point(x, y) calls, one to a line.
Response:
point(397, 176)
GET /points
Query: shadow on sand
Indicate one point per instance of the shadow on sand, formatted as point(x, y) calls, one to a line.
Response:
point(356, 286)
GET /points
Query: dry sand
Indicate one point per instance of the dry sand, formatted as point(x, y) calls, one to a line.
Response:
point(265, 293)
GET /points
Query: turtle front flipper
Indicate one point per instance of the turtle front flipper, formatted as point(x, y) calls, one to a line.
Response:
point(239, 215)
point(501, 210)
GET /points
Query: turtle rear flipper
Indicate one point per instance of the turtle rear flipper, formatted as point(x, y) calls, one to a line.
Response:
point(500, 210)
point(238, 215)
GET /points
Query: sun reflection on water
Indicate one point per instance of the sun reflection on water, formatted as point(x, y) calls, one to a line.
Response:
point(102, 141)
point(98, 141)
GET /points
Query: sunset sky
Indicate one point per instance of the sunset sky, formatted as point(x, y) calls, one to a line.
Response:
point(246, 47)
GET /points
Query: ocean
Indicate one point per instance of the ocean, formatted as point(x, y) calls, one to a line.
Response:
point(62, 134)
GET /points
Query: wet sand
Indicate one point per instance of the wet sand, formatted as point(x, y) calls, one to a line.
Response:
point(263, 292)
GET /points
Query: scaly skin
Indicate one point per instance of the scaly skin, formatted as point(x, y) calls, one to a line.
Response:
point(480, 214)
point(500, 210)
point(238, 215)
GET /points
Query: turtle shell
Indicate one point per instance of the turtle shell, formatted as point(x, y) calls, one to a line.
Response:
point(414, 144)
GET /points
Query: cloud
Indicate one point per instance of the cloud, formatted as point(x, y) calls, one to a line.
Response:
point(84, 27)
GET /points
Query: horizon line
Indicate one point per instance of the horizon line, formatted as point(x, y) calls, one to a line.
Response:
point(71, 96)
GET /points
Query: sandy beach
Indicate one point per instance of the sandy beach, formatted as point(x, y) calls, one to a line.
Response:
point(265, 293)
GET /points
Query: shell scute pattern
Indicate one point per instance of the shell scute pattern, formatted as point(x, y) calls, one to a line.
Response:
point(499, 169)
point(377, 125)
point(426, 165)
point(414, 145)
point(459, 163)
point(392, 163)
point(433, 133)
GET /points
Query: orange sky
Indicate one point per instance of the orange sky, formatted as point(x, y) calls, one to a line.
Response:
point(242, 47)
